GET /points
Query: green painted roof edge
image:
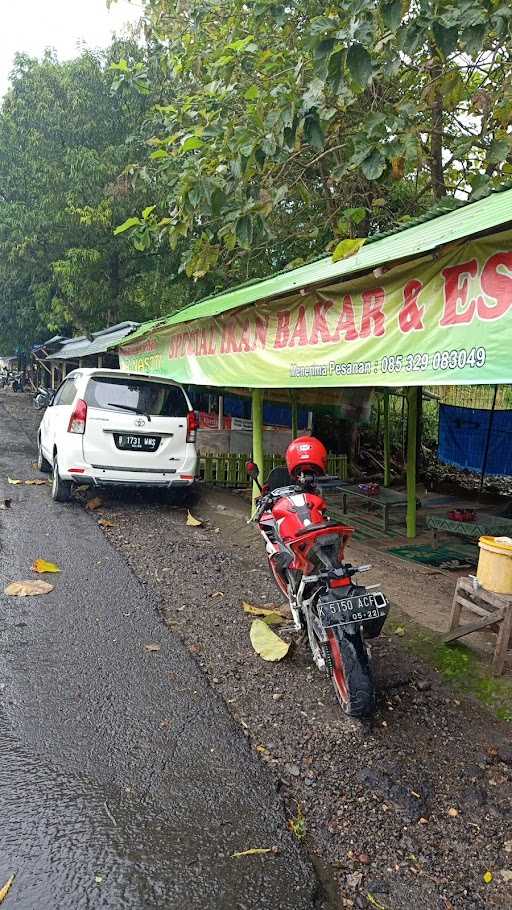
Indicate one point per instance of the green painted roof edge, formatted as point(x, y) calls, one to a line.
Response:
point(426, 234)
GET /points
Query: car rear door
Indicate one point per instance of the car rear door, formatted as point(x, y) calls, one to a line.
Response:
point(56, 419)
point(134, 424)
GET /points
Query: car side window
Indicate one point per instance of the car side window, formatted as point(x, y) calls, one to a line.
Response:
point(66, 393)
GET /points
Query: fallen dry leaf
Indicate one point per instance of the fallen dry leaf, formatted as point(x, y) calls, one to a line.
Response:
point(5, 504)
point(14, 483)
point(193, 522)
point(506, 875)
point(152, 646)
point(42, 567)
point(94, 504)
point(400, 631)
point(35, 483)
point(217, 594)
point(27, 588)
point(7, 887)
point(254, 851)
point(106, 523)
point(453, 813)
point(266, 643)
point(264, 611)
point(374, 902)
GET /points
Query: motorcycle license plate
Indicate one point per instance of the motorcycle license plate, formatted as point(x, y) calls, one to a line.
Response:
point(359, 609)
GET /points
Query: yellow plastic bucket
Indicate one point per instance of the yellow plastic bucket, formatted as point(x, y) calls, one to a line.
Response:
point(495, 564)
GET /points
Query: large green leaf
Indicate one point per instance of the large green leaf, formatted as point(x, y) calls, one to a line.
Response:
point(359, 63)
point(347, 248)
point(445, 38)
point(373, 167)
point(313, 132)
point(126, 225)
point(499, 151)
point(392, 14)
point(244, 231)
point(192, 143)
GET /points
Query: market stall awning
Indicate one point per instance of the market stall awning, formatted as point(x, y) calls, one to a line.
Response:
point(424, 236)
point(96, 343)
point(436, 320)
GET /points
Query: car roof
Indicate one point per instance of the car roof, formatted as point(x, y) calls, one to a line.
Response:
point(119, 374)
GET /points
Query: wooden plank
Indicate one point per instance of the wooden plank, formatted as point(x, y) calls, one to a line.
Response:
point(502, 644)
point(489, 620)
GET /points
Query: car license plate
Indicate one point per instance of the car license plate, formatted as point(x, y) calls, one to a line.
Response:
point(136, 443)
point(360, 608)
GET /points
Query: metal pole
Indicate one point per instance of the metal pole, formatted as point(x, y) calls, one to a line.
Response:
point(488, 439)
point(387, 443)
point(220, 424)
point(295, 417)
point(412, 398)
point(257, 437)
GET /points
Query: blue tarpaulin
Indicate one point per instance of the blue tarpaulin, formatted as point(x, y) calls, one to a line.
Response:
point(462, 439)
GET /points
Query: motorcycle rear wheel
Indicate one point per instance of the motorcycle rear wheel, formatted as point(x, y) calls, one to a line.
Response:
point(351, 672)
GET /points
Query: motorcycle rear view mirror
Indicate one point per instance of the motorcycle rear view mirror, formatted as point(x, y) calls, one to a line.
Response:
point(254, 472)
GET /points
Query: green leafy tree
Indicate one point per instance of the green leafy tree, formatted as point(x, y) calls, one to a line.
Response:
point(280, 128)
point(67, 147)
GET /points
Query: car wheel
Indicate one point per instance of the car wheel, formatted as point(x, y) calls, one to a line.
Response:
point(42, 464)
point(61, 489)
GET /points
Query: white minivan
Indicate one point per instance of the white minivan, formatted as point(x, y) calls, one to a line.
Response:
point(113, 428)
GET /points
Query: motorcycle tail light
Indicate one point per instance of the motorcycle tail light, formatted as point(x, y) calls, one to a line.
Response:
point(339, 582)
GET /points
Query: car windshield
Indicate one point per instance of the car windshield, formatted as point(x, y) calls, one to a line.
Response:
point(156, 399)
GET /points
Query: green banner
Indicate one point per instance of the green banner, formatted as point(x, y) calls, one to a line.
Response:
point(434, 321)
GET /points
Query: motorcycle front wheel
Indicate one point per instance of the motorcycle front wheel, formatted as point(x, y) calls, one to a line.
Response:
point(351, 672)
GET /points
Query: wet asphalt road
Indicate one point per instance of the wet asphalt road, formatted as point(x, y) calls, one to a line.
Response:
point(124, 783)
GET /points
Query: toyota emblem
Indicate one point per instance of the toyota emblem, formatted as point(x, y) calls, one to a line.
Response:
point(140, 422)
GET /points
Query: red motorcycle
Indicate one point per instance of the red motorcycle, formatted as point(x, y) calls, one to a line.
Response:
point(306, 554)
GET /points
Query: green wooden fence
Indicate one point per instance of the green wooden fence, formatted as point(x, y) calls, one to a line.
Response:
point(229, 470)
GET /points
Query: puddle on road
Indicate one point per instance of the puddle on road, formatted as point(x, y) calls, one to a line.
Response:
point(59, 837)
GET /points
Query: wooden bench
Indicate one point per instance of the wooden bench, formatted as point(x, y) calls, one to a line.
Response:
point(495, 612)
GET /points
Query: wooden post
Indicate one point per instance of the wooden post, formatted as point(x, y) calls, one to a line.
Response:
point(387, 443)
point(257, 437)
point(488, 439)
point(295, 417)
point(412, 398)
point(220, 424)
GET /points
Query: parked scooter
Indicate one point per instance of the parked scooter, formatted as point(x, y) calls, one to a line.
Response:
point(305, 550)
point(42, 398)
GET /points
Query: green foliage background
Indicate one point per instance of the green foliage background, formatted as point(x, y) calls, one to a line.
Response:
point(233, 138)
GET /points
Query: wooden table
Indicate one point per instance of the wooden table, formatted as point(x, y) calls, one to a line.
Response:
point(386, 500)
point(484, 525)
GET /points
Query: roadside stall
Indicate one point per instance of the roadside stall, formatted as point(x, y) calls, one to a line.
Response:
point(94, 350)
point(428, 305)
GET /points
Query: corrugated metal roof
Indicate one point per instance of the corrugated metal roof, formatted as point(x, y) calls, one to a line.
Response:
point(423, 237)
point(96, 343)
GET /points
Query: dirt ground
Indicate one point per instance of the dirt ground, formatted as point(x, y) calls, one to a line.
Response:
point(409, 811)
